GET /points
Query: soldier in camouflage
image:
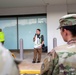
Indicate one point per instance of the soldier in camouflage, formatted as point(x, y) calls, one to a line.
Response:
point(62, 60)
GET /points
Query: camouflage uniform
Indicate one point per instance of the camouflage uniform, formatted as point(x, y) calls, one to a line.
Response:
point(62, 60)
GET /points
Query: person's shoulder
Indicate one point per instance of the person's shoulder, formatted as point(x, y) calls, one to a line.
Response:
point(42, 35)
point(60, 48)
point(66, 48)
point(2, 32)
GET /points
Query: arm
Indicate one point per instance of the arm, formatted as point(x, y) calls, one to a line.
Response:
point(42, 43)
point(34, 38)
point(49, 64)
point(54, 70)
point(42, 39)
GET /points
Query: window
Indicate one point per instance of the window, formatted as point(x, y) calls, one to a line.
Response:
point(9, 27)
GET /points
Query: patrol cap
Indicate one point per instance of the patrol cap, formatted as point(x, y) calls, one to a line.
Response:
point(67, 20)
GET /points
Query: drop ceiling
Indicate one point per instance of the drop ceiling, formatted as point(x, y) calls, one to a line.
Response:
point(28, 3)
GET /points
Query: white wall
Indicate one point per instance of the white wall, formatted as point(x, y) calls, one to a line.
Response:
point(25, 10)
point(33, 10)
point(72, 8)
point(53, 15)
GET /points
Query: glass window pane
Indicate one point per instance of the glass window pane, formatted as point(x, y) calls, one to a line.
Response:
point(27, 29)
point(9, 27)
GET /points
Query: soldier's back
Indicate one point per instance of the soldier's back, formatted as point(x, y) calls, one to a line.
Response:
point(66, 59)
point(61, 61)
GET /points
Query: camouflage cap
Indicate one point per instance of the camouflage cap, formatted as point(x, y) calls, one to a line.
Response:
point(67, 20)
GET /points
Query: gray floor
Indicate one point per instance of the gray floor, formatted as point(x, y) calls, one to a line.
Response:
point(28, 56)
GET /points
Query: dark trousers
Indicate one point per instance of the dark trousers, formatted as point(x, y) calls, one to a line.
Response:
point(37, 52)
